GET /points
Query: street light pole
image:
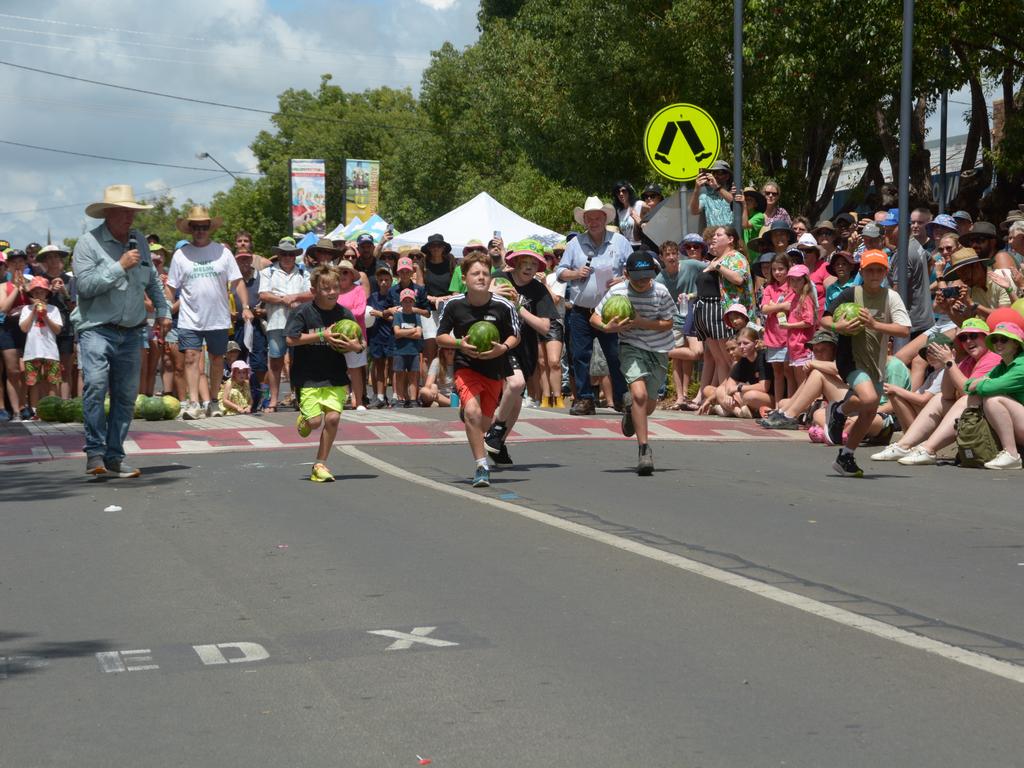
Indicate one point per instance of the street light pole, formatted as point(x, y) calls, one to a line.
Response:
point(208, 156)
point(907, 82)
point(737, 105)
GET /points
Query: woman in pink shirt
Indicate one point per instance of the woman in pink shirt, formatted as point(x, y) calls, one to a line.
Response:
point(353, 298)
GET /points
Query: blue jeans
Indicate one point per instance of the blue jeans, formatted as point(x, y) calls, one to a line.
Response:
point(581, 336)
point(109, 359)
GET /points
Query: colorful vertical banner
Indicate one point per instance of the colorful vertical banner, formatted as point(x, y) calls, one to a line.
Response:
point(362, 189)
point(309, 196)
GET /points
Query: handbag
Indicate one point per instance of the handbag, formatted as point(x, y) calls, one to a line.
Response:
point(975, 440)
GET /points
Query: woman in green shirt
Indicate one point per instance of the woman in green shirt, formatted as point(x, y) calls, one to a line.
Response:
point(1002, 394)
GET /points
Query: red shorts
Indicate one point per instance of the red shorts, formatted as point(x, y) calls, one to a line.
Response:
point(470, 384)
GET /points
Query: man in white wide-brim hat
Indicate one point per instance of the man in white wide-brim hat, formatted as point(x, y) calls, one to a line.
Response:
point(113, 274)
point(592, 263)
point(204, 272)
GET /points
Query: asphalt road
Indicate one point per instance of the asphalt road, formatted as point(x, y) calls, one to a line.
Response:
point(233, 614)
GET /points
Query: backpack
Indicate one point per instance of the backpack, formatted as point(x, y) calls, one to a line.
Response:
point(975, 440)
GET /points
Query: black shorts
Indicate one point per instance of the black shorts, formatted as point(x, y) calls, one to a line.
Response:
point(521, 360)
point(555, 333)
point(11, 336)
point(66, 345)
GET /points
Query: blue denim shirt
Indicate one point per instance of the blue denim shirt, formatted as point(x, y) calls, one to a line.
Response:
point(107, 295)
point(609, 257)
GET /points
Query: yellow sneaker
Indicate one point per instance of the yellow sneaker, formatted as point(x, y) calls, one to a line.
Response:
point(321, 474)
point(303, 426)
point(559, 402)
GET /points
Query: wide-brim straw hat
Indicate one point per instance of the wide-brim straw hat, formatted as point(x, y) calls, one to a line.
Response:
point(593, 203)
point(116, 196)
point(198, 213)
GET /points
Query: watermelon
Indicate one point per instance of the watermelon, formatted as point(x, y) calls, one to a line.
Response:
point(106, 406)
point(138, 406)
point(617, 308)
point(153, 409)
point(66, 411)
point(48, 408)
point(348, 329)
point(172, 406)
point(847, 312)
point(483, 335)
point(500, 281)
point(77, 410)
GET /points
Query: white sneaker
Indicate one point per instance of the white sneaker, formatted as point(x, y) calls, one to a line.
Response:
point(893, 452)
point(360, 407)
point(529, 402)
point(918, 457)
point(190, 411)
point(1004, 460)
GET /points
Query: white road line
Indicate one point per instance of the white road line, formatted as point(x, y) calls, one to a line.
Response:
point(841, 616)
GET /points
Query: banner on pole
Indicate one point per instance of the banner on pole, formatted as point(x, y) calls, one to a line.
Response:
point(309, 195)
point(362, 189)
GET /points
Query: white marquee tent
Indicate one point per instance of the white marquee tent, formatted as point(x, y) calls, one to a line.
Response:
point(478, 219)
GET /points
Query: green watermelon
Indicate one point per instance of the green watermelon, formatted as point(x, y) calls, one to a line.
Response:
point(106, 406)
point(77, 410)
point(847, 312)
point(66, 411)
point(617, 308)
point(500, 281)
point(48, 408)
point(348, 329)
point(172, 406)
point(153, 409)
point(138, 406)
point(483, 335)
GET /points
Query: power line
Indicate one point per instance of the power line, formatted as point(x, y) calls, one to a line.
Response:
point(114, 159)
point(218, 177)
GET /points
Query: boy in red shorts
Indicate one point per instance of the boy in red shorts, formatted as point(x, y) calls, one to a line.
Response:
point(478, 375)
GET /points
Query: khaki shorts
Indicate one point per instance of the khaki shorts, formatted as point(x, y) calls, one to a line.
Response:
point(638, 364)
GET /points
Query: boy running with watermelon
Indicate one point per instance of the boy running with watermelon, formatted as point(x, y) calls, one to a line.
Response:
point(640, 311)
point(862, 352)
point(536, 310)
point(481, 328)
point(319, 372)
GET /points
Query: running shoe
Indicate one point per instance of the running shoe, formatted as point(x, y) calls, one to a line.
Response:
point(120, 469)
point(779, 420)
point(846, 465)
point(303, 426)
point(321, 474)
point(482, 478)
point(502, 457)
point(493, 441)
point(26, 414)
point(645, 466)
point(94, 466)
point(1004, 460)
point(628, 429)
point(834, 424)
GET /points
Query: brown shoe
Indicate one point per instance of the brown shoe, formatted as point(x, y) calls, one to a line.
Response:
point(582, 407)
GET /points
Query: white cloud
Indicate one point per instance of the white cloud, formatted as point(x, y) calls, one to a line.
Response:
point(244, 52)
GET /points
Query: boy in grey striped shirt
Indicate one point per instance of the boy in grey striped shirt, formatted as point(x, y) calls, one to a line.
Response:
point(644, 343)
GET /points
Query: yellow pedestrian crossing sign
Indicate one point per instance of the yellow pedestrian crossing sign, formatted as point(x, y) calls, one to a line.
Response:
point(680, 140)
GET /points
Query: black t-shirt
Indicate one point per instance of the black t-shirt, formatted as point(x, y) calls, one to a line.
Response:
point(457, 317)
point(58, 300)
point(708, 285)
point(752, 371)
point(536, 299)
point(437, 276)
point(317, 365)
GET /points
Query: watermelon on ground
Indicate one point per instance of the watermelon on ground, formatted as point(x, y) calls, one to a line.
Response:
point(483, 335)
point(172, 406)
point(48, 408)
point(617, 308)
point(106, 405)
point(847, 311)
point(66, 411)
point(153, 409)
point(348, 329)
point(138, 406)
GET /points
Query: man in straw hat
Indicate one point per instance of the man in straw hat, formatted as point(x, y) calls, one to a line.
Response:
point(204, 272)
point(592, 263)
point(113, 274)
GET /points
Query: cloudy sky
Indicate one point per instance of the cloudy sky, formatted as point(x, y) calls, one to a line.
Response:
point(242, 52)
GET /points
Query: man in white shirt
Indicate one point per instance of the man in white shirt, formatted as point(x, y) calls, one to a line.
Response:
point(203, 272)
point(283, 288)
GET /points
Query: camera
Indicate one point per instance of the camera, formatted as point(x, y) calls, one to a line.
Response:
point(950, 292)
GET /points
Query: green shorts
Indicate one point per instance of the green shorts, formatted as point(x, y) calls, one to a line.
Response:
point(313, 401)
point(857, 376)
point(637, 363)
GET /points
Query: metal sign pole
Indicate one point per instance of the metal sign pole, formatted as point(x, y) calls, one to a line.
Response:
point(737, 104)
point(904, 200)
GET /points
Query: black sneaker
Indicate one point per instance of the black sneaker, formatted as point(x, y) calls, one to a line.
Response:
point(380, 402)
point(502, 457)
point(26, 414)
point(493, 441)
point(627, 421)
point(846, 465)
point(834, 425)
point(407, 404)
point(779, 420)
point(645, 466)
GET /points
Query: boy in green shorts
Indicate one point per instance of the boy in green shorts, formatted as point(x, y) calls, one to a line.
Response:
point(861, 354)
point(644, 344)
point(319, 373)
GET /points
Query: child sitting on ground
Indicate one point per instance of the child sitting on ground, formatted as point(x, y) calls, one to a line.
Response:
point(235, 393)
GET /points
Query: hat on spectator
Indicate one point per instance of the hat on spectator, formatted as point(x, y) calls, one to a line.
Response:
point(364, 237)
point(893, 219)
point(234, 348)
point(642, 265)
point(738, 309)
point(239, 365)
point(695, 239)
point(822, 336)
point(407, 293)
point(824, 226)
point(874, 257)
point(872, 229)
point(115, 196)
point(64, 251)
point(781, 226)
point(652, 189)
point(842, 255)
point(795, 254)
point(808, 242)
point(767, 257)
point(436, 240)
point(963, 216)
point(798, 270)
point(982, 230)
point(38, 282)
point(346, 266)
point(404, 265)
point(943, 220)
point(848, 218)
point(593, 203)
point(964, 257)
point(1012, 216)
point(720, 165)
point(285, 247)
point(323, 245)
point(473, 245)
point(198, 213)
point(1007, 331)
point(760, 202)
point(157, 252)
point(530, 248)
point(972, 325)
point(384, 268)
point(939, 338)
point(759, 244)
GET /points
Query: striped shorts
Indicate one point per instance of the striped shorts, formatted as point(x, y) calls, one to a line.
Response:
point(708, 322)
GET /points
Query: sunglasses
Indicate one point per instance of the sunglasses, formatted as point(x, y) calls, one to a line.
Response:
point(947, 247)
point(199, 227)
point(1000, 340)
point(689, 246)
point(770, 194)
point(649, 197)
point(975, 337)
